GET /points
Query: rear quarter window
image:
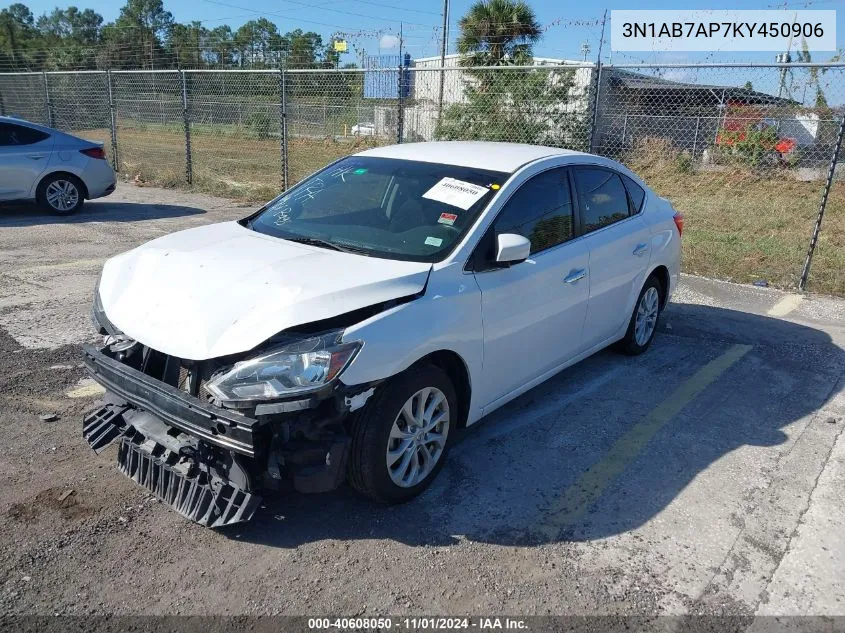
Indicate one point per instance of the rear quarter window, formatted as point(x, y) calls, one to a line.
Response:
point(635, 192)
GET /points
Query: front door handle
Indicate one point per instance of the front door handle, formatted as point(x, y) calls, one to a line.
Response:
point(640, 249)
point(575, 275)
point(36, 156)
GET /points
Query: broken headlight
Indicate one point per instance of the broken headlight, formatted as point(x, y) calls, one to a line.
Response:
point(293, 368)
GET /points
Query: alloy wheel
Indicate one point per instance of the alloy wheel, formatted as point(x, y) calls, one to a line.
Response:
point(647, 312)
point(62, 195)
point(418, 437)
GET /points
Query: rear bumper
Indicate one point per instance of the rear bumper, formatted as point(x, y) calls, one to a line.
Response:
point(100, 179)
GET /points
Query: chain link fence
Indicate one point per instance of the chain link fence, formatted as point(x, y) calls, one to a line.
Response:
point(746, 152)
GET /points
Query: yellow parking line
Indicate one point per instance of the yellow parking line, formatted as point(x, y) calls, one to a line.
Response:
point(577, 499)
point(785, 305)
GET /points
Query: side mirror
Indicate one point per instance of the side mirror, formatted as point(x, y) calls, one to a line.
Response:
point(512, 248)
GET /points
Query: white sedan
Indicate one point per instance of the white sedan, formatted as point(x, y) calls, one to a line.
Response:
point(347, 328)
point(58, 170)
point(364, 129)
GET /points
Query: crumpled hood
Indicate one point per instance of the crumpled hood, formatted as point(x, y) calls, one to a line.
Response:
point(222, 289)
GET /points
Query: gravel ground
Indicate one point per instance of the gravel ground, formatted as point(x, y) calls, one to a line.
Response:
point(704, 477)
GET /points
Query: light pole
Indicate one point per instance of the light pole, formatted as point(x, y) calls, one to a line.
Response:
point(443, 41)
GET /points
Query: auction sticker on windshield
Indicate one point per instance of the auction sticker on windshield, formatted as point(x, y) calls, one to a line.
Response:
point(457, 193)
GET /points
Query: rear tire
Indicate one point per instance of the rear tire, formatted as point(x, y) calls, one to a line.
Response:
point(394, 454)
point(644, 319)
point(61, 194)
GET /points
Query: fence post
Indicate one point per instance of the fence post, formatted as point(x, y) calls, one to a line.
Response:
point(48, 107)
point(400, 115)
point(283, 127)
point(805, 273)
point(695, 138)
point(624, 129)
point(189, 169)
point(113, 122)
point(595, 113)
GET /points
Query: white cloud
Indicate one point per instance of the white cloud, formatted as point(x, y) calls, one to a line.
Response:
point(679, 74)
point(388, 42)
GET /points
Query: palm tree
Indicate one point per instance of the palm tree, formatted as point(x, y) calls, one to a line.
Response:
point(498, 32)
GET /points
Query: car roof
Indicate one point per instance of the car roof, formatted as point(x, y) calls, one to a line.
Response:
point(506, 157)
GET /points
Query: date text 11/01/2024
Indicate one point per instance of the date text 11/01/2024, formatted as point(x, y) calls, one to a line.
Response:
point(417, 623)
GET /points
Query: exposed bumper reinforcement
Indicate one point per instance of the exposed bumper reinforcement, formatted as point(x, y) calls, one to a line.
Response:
point(222, 427)
point(186, 487)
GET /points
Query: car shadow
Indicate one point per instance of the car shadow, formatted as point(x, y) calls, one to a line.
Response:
point(507, 476)
point(28, 214)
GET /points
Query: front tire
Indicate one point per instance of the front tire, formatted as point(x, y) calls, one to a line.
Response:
point(60, 194)
point(401, 437)
point(643, 323)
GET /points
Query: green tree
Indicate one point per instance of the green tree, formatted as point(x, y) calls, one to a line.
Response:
point(135, 39)
point(302, 49)
point(70, 38)
point(186, 44)
point(504, 104)
point(19, 41)
point(220, 46)
point(497, 32)
point(259, 44)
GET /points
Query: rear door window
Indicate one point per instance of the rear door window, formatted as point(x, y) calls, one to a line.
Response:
point(601, 196)
point(12, 135)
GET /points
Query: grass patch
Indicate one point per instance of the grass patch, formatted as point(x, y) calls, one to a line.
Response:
point(744, 226)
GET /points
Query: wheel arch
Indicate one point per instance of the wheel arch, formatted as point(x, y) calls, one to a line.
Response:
point(60, 172)
point(456, 368)
point(661, 273)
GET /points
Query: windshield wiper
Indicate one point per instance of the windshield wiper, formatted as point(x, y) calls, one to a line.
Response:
point(316, 241)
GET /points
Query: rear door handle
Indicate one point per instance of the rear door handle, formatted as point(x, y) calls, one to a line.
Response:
point(36, 156)
point(640, 249)
point(575, 275)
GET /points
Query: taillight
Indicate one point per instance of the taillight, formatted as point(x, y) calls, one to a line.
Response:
point(94, 152)
point(679, 222)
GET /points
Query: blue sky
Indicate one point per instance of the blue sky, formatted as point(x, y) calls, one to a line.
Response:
point(371, 23)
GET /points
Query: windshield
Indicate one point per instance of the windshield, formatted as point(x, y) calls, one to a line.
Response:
point(396, 209)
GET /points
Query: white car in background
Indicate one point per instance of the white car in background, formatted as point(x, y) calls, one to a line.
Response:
point(348, 327)
point(364, 129)
point(58, 170)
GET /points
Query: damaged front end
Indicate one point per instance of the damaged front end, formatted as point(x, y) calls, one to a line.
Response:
point(209, 457)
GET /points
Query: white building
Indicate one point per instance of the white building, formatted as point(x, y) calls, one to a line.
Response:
point(420, 116)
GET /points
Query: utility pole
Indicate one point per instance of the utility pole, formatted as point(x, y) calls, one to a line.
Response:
point(597, 90)
point(585, 49)
point(785, 58)
point(443, 43)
